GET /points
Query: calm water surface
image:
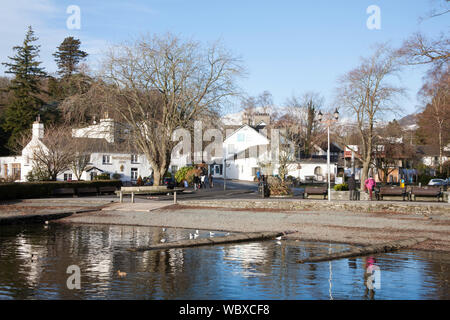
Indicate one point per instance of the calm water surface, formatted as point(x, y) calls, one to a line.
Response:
point(260, 270)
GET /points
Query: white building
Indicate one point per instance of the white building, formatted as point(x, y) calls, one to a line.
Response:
point(108, 156)
point(247, 149)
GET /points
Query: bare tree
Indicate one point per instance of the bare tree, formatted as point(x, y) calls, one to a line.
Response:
point(418, 50)
point(366, 94)
point(160, 83)
point(439, 8)
point(435, 118)
point(300, 121)
point(391, 149)
point(53, 154)
point(81, 156)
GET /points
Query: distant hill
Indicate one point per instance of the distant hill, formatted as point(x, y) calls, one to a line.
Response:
point(409, 122)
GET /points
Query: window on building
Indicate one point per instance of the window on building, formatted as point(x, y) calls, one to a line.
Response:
point(106, 159)
point(134, 158)
point(134, 173)
point(67, 177)
point(174, 169)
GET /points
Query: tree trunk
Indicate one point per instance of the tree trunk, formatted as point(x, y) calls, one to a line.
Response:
point(440, 149)
point(156, 176)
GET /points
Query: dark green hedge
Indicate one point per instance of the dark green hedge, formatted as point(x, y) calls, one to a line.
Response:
point(26, 190)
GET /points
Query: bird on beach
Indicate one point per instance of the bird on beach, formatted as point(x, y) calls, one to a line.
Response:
point(278, 238)
point(211, 234)
point(191, 236)
point(227, 234)
point(163, 240)
point(196, 231)
point(164, 229)
point(196, 235)
point(121, 274)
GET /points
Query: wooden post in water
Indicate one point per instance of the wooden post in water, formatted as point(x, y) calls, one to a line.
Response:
point(234, 238)
point(377, 248)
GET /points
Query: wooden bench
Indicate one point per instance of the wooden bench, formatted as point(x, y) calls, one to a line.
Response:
point(64, 192)
point(108, 190)
point(87, 190)
point(390, 191)
point(322, 191)
point(147, 190)
point(310, 179)
point(434, 192)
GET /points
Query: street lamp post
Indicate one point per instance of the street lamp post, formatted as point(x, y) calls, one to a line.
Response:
point(330, 119)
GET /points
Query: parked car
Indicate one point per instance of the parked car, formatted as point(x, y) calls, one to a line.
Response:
point(169, 182)
point(437, 182)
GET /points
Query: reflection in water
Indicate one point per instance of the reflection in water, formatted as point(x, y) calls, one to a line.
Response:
point(34, 260)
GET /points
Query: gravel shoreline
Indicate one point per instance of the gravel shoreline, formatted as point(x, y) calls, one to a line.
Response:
point(356, 228)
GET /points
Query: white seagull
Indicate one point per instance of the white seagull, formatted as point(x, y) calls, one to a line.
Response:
point(163, 240)
point(196, 231)
point(211, 234)
point(278, 238)
point(191, 236)
point(164, 229)
point(196, 235)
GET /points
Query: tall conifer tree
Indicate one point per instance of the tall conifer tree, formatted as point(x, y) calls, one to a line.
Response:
point(25, 87)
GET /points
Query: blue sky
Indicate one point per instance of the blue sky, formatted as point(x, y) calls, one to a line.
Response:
point(288, 47)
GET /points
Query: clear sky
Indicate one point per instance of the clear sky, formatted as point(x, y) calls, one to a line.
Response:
point(287, 46)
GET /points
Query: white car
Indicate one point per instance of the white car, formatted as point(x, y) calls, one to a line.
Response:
point(437, 182)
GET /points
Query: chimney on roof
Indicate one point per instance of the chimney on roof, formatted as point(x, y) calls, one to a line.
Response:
point(38, 128)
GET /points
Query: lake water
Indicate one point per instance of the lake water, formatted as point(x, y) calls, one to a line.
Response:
point(258, 270)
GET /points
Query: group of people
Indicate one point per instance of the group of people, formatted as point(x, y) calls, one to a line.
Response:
point(200, 181)
point(369, 185)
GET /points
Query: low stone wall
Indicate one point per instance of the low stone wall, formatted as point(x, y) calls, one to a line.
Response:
point(324, 205)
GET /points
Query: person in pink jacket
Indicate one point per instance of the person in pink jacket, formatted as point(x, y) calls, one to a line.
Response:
point(369, 184)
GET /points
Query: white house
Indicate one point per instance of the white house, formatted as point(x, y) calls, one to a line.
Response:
point(108, 156)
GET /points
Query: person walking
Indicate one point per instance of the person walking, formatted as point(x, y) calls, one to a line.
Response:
point(369, 184)
point(211, 183)
point(352, 187)
point(202, 183)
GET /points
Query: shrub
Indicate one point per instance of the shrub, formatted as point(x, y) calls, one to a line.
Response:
point(42, 189)
point(116, 176)
point(277, 187)
point(180, 175)
point(103, 176)
point(341, 187)
point(424, 179)
point(36, 174)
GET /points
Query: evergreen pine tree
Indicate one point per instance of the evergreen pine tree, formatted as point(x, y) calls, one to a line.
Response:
point(25, 86)
point(68, 56)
